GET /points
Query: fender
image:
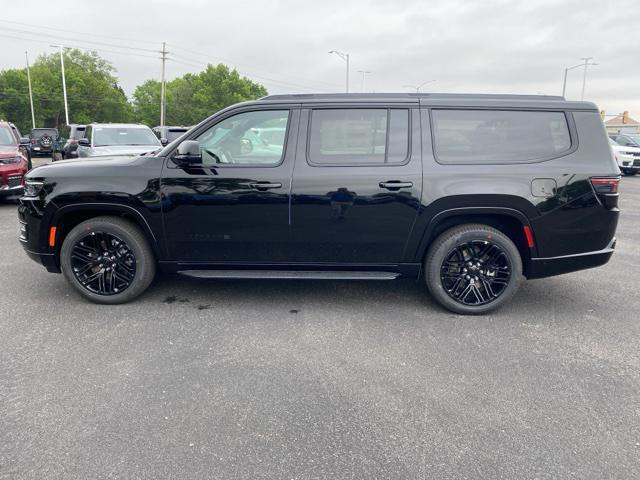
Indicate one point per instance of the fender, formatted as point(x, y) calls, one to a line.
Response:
point(60, 212)
point(458, 211)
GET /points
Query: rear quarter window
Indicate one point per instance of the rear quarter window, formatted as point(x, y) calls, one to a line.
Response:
point(499, 136)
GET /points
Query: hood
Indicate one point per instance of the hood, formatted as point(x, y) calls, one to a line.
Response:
point(622, 148)
point(131, 150)
point(9, 150)
point(94, 166)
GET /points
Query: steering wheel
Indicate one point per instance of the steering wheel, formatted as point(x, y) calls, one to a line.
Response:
point(225, 154)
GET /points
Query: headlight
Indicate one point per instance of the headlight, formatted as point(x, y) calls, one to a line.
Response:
point(32, 189)
point(9, 160)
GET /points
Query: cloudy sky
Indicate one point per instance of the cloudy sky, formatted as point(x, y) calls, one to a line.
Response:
point(490, 46)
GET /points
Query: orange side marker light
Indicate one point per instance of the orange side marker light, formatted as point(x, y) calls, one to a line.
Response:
point(52, 236)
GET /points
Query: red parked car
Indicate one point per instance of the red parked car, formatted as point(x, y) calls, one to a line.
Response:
point(13, 163)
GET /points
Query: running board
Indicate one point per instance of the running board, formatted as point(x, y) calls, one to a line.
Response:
point(291, 274)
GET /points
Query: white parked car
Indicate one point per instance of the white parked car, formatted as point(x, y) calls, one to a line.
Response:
point(111, 139)
point(628, 158)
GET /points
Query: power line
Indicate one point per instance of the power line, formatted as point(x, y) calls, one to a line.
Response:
point(67, 45)
point(56, 37)
point(248, 74)
point(79, 33)
point(217, 59)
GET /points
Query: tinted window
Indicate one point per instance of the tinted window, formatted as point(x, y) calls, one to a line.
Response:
point(491, 136)
point(174, 133)
point(105, 136)
point(6, 137)
point(237, 141)
point(41, 132)
point(359, 136)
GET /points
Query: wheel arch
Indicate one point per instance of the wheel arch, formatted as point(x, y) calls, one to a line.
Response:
point(509, 221)
point(68, 216)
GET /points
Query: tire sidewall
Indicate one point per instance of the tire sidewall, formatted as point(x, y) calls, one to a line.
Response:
point(443, 246)
point(144, 264)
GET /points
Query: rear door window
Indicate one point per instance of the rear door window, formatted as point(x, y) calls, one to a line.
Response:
point(499, 136)
point(365, 136)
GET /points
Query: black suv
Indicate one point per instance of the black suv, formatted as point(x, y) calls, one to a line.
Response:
point(471, 193)
point(44, 141)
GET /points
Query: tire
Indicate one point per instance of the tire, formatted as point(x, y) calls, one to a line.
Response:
point(55, 156)
point(130, 253)
point(496, 282)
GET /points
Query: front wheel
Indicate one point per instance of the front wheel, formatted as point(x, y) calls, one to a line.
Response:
point(473, 269)
point(107, 260)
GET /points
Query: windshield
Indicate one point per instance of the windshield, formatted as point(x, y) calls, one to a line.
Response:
point(172, 134)
point(41, 132)
point(77, 134)
point(635, 138)
point(107, 136)
point(6, 137)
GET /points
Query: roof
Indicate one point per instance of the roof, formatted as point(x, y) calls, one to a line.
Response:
point(118, 125)
point(436, 99)
point(617, 121)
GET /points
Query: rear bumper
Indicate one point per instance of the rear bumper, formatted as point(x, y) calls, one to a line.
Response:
point(547, 267)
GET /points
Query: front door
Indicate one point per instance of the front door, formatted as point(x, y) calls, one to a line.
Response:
point(356, 184)
point(234, 207)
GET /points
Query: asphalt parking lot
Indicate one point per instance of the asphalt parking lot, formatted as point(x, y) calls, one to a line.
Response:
point(305, 380)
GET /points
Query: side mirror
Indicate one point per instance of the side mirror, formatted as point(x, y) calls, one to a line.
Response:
point(164, 142)
point(84, 142)
point(188, 153)
point(24, 141)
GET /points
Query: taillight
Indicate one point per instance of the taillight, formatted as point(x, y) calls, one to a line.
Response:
point(34, 141)
point(607, 190)
point(73, 142)
point(605, 185)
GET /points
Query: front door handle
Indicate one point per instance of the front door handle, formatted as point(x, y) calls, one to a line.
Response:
point(263, 186)
point(395, 185)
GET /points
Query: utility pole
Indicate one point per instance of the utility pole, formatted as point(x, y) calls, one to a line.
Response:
point(162, 84)
point(363, 72)
point(33, 116)
point(584, 75)
point(345, 57)
point(64, 83)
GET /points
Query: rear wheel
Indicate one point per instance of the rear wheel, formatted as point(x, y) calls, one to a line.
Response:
point(473, 269)
point(108, 260)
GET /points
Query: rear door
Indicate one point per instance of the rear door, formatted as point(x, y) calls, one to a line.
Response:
point(357, 183)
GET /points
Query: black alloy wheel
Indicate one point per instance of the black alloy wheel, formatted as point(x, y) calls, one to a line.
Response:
point(475, 273)
point(103, 263)
point(473, 269)
point(107, 260)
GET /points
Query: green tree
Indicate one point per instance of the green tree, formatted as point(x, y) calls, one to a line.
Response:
point(92, 90)
point(193, 97)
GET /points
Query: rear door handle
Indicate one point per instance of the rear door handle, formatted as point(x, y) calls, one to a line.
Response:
point(395, 185)
point(264, 185)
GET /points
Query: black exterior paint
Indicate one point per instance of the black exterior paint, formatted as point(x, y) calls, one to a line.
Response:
point(337, 217)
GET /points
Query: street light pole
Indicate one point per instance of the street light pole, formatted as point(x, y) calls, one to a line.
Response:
point(584, 75)
point(163, 84)
point(33, 116)
point(584, 78)
point(345, 57)
point(64, 84)
point(363, 72)
point(418, 87)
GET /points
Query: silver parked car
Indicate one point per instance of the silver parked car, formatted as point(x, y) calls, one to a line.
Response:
point(109, 139)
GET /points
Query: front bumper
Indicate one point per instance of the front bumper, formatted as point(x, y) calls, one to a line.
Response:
point(7, 191)
point(547, 267)
point(30, 238)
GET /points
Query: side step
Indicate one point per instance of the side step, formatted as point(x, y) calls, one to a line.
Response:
point(291, 274)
